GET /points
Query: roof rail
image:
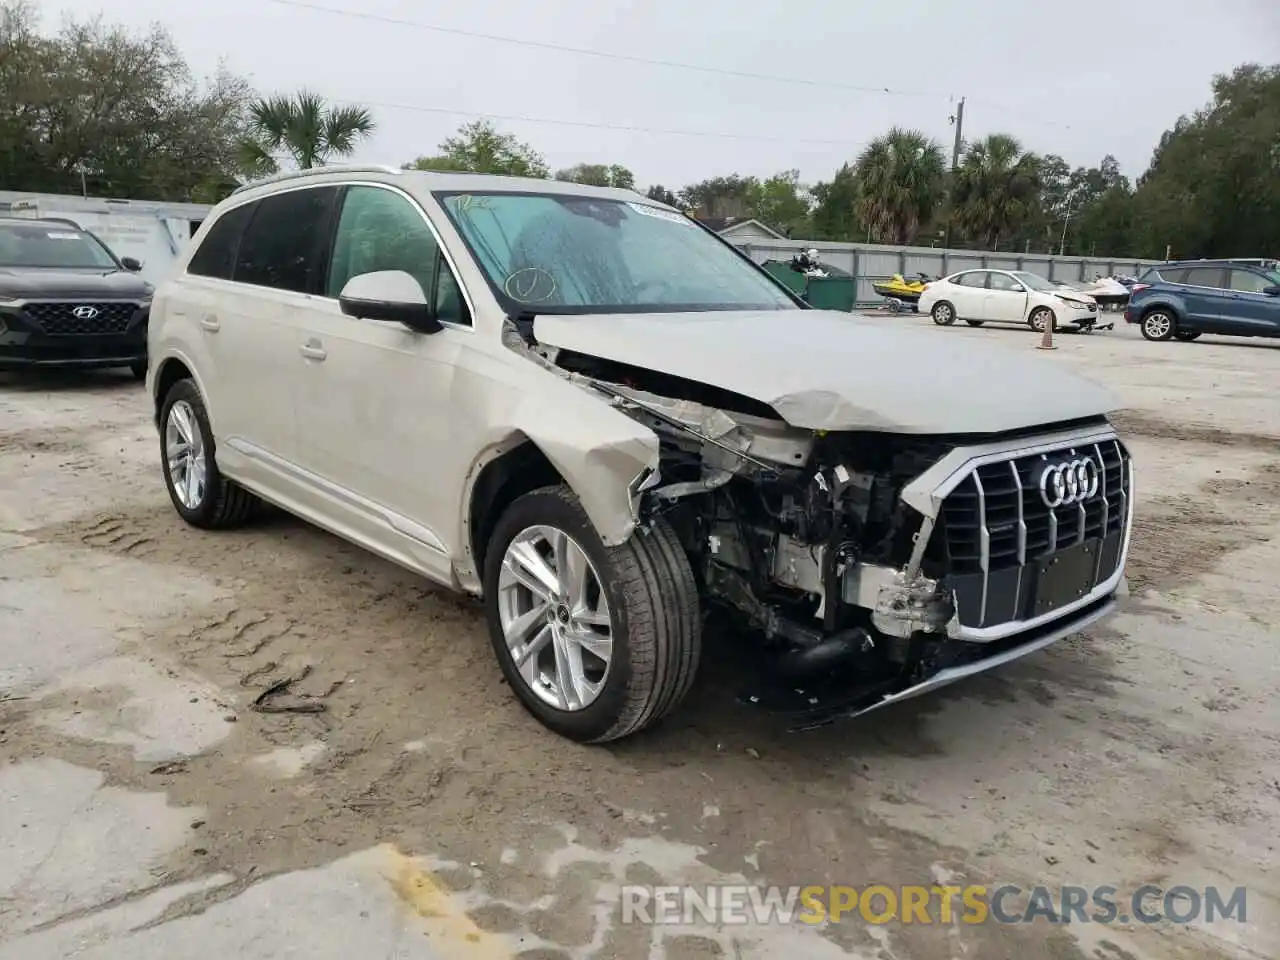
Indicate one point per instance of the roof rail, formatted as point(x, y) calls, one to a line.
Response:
point(316, 171)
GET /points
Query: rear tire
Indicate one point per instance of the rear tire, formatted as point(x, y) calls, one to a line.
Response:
point(643, 588)
point(202, 496)
point(943, 313)
point(1158, 324)
point(1186, 336)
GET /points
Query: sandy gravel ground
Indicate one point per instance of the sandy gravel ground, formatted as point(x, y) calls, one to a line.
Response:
point(146, 809)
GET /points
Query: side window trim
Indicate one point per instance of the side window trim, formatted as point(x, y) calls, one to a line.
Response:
point(442, 252)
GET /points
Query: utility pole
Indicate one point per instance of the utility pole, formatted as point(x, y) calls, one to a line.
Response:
point(958, 120)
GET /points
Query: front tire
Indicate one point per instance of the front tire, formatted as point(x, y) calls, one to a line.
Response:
point(1040, 318)
point(1158, 325)
point(943, 313)
point(975, 323)
point(202, 496)
point(597, 642)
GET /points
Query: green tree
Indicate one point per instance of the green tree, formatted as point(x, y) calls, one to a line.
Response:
point(901, 179)
point(720, 196)
point(834, 212)
point(305, 128)
point(996, 190)
point(662, 195)
point(781, 203)
point(478, 147)
point(117, 114)
point(1213, 187)
point(599, 175)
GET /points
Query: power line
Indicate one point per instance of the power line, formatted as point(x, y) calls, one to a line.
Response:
point(603, 54)
point(626, 128)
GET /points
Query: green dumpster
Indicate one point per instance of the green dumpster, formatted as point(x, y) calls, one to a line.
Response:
point(831, 293)
point(781, 271)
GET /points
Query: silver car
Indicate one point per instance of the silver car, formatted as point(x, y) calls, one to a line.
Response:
point(593, 413)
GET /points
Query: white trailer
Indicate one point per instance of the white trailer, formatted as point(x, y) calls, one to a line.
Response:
point(151, 232)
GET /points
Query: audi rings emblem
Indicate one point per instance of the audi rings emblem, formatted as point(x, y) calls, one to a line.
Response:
point(85, 312)
point(1070, 482)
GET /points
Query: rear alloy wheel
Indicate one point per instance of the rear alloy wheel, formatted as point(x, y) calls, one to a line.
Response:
point(1186, 336)
point(944, 314)
point(1158, 325)
point(1040, 318)
point(597, 642)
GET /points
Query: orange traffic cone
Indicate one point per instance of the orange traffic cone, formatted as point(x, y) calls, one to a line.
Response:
point(1046, 340)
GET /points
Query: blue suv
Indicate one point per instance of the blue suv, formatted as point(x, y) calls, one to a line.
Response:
point(1180, 301)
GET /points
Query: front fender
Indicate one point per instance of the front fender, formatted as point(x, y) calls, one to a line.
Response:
point(599, 451)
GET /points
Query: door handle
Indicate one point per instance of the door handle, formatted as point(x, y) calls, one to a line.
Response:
point(210, 322)
point(312, 351)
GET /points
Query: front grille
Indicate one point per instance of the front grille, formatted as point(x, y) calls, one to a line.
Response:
point(999, 531)
point(60, 320)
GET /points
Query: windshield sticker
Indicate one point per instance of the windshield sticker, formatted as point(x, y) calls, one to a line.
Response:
point(647, 211)
point(530, 285)
point(63, 236)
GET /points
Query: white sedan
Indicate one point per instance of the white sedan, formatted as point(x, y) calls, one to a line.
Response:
point(1006, 296)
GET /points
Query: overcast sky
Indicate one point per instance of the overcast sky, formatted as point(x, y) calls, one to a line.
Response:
point(1081, 78)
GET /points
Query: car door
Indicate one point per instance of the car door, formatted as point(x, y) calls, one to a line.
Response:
point(1253, 313)
point(279, 262)
point(1203, 290)
point(1005, 299)
point(375, 398)
point(968, 293)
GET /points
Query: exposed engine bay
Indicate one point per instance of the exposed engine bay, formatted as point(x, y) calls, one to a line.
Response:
point(801, 535)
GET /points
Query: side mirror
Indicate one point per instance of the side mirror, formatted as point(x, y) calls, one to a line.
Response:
point(130, 264)
point(1019, 288)
point(1272, 291)
point(389, 295)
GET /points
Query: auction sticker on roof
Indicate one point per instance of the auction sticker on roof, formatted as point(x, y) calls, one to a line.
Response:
point(63, 236)
point(648, 211)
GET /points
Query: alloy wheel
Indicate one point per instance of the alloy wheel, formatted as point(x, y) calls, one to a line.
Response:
point(1157, 325)
point(555, 617)
point(185, 455)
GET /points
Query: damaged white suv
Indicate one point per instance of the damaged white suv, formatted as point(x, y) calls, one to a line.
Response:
point(604, 420)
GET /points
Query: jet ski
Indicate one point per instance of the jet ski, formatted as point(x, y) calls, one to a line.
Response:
point(901, 293)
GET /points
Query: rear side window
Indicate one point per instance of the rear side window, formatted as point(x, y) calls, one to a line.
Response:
point(283, 246)
point(1206, 277)
point(977, 278)
point(216, 255)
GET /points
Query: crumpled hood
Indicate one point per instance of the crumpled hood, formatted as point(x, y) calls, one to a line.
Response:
point(55, 283)
point(824, 370)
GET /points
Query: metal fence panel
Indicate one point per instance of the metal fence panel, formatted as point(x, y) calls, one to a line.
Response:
point(869, 262)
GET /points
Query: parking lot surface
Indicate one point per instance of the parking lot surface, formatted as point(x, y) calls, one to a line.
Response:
point(147, 810)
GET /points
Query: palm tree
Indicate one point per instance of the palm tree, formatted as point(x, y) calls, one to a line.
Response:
point(996, 189)
point(901, 179)
point(304, 127)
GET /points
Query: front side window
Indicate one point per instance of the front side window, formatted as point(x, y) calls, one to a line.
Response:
point(1002, 281)
point(216, 255)
point(282, 245)
point(566, 253)
point(1033, 281)
point(381, 229)
point(1247, 281)
point(52, 246)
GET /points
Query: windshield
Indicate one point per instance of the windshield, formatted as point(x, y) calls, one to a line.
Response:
point(51, 245)
point(1033, 282)
point(558, 253)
